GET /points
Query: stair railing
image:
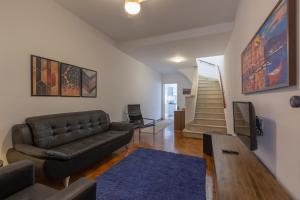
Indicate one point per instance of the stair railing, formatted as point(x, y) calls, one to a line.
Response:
point(221, 85)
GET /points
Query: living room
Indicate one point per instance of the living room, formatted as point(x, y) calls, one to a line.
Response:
point(52, 137)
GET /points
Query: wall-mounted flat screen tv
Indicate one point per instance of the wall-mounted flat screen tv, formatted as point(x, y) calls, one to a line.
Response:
point(245, 123)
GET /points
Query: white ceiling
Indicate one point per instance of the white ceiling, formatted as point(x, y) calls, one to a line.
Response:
point(163, 29)
point(157, 51)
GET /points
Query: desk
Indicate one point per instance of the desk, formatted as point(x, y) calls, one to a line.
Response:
point(242, 176)
point(179, 120)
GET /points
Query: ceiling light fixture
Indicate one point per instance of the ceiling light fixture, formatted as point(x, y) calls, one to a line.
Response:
point(178, 59)
point(132, 7)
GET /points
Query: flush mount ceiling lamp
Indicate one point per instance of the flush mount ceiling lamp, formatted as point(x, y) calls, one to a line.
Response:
point(133, 7)
point(178, 59)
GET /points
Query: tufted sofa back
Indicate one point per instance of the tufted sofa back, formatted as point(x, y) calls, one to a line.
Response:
point(54, 130)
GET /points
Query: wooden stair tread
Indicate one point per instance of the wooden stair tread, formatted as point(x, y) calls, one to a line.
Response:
point(210, 119)
point(209, 113)
point(211, 126)
point(210, 107)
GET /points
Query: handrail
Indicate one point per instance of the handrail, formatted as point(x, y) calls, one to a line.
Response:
point(221, 85)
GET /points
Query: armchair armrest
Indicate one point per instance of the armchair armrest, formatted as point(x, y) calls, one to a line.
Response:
point(82, 189)
point(16, 177)
point(40, 153)
point(120, 126)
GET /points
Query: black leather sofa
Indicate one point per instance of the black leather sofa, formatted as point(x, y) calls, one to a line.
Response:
point(63, 144)
point(17, 182)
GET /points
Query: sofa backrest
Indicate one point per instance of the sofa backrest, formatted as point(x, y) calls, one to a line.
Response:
point(54, 130)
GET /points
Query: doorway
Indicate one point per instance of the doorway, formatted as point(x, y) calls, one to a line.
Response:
point(170, 100)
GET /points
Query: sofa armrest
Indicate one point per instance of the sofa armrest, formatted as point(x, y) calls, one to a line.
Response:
point(121, 126)
point(16, 177)
point(41, 153)
point(82, 189)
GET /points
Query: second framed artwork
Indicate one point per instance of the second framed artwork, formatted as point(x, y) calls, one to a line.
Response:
point(65, 80)
point(70, 84)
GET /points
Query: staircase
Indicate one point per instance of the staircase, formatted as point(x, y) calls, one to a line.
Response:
point(209, 113)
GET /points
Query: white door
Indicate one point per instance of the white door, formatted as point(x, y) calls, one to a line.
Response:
point(170, 100)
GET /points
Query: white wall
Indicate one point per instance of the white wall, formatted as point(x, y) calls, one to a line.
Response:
point(182, 82)
point(279, 148)
point(46, 29)
point(208, 70)
point(189, 73)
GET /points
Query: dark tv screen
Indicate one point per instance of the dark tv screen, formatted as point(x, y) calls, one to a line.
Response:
point(245, 123)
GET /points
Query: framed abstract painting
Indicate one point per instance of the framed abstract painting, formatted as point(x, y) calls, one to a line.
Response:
point(88, 83)
point(70, 84)
point(44, 77)
point(269, 60)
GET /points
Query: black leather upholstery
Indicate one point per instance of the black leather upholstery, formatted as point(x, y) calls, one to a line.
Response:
point(17, 176)
point(80, 190)
point(21, 134)
point(78, 147)
point(136, 118)
point(33, 192)
point(63, 144)
point(54, 130)
point(17, 183)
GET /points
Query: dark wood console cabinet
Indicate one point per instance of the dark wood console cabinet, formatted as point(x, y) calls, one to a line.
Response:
point(243, 176)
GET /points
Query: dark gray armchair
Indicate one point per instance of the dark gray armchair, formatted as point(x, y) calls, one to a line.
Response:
point(136, 118)
point(17, 182)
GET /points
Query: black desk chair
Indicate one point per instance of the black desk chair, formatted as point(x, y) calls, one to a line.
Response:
point(136, 118)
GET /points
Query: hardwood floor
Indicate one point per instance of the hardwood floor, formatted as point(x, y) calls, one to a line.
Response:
point(165, 140)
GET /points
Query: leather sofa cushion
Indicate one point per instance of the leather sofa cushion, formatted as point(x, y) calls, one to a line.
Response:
point(78, 147)
point(55, 130)
point(34, 192)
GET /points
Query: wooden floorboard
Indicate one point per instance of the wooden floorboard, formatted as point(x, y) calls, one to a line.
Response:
point(165, 140)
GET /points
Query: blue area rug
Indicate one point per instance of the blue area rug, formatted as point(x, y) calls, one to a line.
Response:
point(154, 175)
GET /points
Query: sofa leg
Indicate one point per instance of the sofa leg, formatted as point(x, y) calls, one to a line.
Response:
point(154, 135)
point(66, 181)
point(126, 146)
point(139, 135)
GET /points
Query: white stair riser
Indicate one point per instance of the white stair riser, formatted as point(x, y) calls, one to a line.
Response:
point(210, 116)
point(206, 100)
point(193, 135)
point(211, 105)
point(210, 110)
point(208, 80)
point(207, 129)
point(209, 92)
point(209, 95)
point(207, 87)
point(210, 122)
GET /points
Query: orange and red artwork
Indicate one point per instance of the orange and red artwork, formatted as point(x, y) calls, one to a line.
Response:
point(265, 61)
point(70, 80)
point(44, 77)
